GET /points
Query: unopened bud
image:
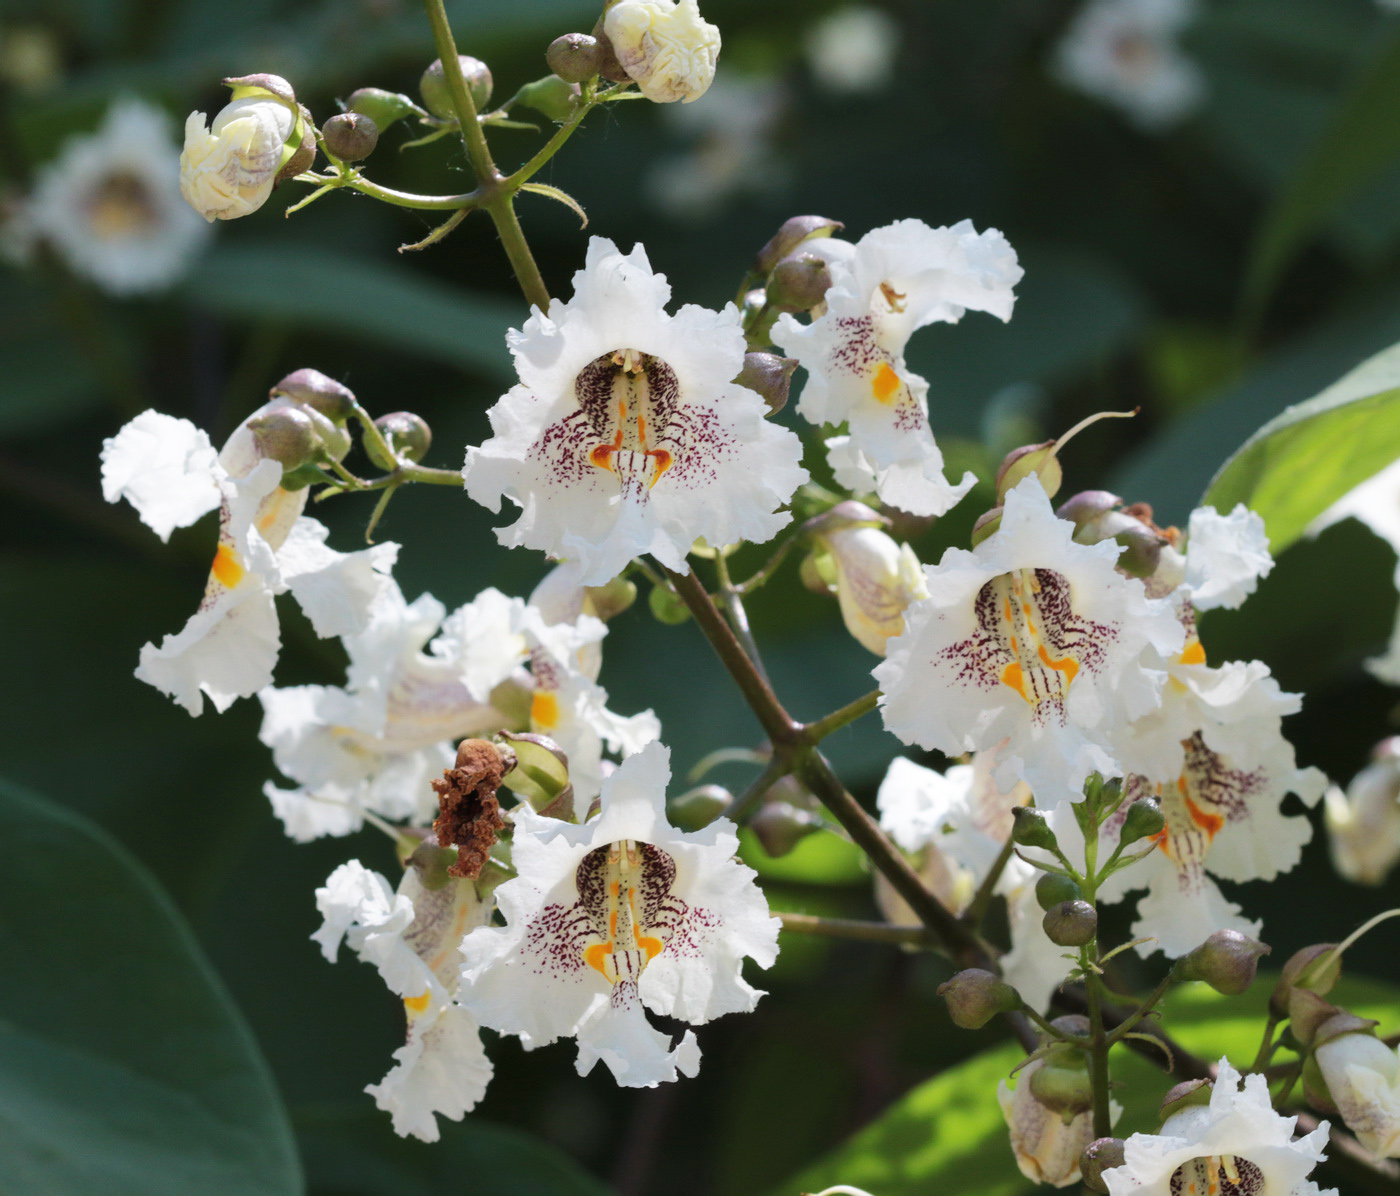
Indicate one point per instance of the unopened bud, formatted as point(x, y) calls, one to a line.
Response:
point(408, 437)
point(1052, 889)
point(780, 826)
point(608, 65)
point(540, 774)
point(1088, 506)
point(1144, 819)
point(697, 808)
point(817, 572)
point(769, 376)
point(432, 862)
point(1031, 829)
point(1307, 1013)
point(988, 524)
point(608, 601)
point(302, 143)
point(666, 606)
point(1316, 968)
point(1189, 1094)
point(382, 107)
point(1071, 924)
point(843, 516)
point(1227, 961)
point(1343, 1022)
point(437, 98)
point(1029, 459)
point(1142, 551)
point(975, 996)
point(1102, 1154)
point(350, 136)
point(313, 389)
point(1062, 1083)
point(551, 97)
point(793, 232)
point(799, 282)
point(285, 434)
point(575, 57)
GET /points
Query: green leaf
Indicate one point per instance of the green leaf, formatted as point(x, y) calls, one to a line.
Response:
point(124, 1065)
point(1361, 140)
point(1301, 462)
point(821, 858)
point(312, 287)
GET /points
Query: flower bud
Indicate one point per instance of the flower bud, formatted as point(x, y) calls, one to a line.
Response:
point(1227, 961)
point(313, 389)
point(285, 434)
point(780, 826)
point(432, 863)
point(382, 107)
point(1021, 462)
point(228, 169)
point(1189, 1094)
point(876, 579)
point(1052, 889)
point(1102, 1154)
point(1363, 825)
point(540, 774)
point(794, 231)
point(1071, 924)
point(975, 996)
point(437, 96)
point(608, 601)
point(799, 282)
point(768, 376)
point(1144, 819)
point(665, 47)
point(1359, 1077)
point(575, 57)
point(697, 808)
point(1307, 1013)
point(1062, 1084)
point(1048, 1149)
point(666, 606)
point(988, 524)
point(1316, 969)
point(551, 97)
point(408, 435)
point(350, 136)
point(608, 66)
point(1031, 829)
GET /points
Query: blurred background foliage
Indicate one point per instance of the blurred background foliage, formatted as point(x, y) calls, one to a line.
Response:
point(1211, 275)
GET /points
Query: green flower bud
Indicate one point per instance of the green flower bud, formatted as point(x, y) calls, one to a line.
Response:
point(608, 65)
point(1031, 829)
point(1087, 507)
point(382, 107)
point(769, 376)
point(1144, 819)
point(798, 282)
point(437, 98)
point(1316, 968)
point(313, 389)
point(1021, 462)
point(540, 774)
point(350, 136)
point(1071, 924)
point(575, 57)
point(793, 232)
point(551, 97)
point(667, 607)
point(300, 150)
point(1062, 1083)
point(987, 525)
point(285, 434)
point(1307, 1013)
point(408, 435)
point(1227, 961)
point(1102, 1154)
point(975, 996)
point(697, 808)
point(1052, 889)
point(1189, 1094)
point(608, 601)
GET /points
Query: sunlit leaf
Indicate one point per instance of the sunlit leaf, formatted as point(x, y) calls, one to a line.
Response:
point(821, 858)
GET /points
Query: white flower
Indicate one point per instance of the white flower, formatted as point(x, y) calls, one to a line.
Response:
point(626, 435)
point(412, 937)
point(667, 48)
point(110, 204)
point(1364, 823)
point(1047, 1150)
point(622, 913)
point(1032, 639)
point(1226, 555)
point(229, 169)
point(1125, 52)
point(1238, 1140)
point(853, 48)
point(876, 579)
point(1363, 1079)
point(895, 280)
point(1376, 503)
point(167, 469)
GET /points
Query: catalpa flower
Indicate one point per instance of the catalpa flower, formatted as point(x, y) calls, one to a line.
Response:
point(412, 937)
point(168, 470)
point(625, 435)
point(110, 204)
point(1032, 639)
point(1237, 1144)
point(1362, 1076)
point(1047, 1148)
point(1363, 823)
point(667, 47)
point(615, 917)
point(895, 280)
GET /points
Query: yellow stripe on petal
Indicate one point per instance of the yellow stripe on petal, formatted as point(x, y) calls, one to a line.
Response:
point(417, 1004)
point(544, 710)
point(885, 385)
point(227, 567)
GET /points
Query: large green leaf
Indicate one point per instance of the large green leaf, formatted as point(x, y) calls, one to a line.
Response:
point(1301, 462)
point(1361, 140)
point(124, 1065)
point(947, 1135)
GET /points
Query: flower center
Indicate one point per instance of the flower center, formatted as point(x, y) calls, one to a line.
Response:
point(121, 207)
point(629, 398)
point(1217, 1175)
point(1206, 796)
point(625, 895)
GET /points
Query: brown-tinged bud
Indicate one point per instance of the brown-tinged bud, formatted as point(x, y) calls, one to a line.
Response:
point(988, 524)
point(437, 98)
point(781, 826)
point(1073, 1024)
point(793, 232)
point(1227, 961)
point(1144, 819)
point(1316, 968)
point(551, 96)
point(666, 606)
point(798, 282)
point(350, 136)
point(608, 601)
point(1031, 829)
point(696, 808)
point(1307, 1013)
point(1071, 924)
point(769, 376)
point(1087, 507)
point(1062, 1083)
point(303, 138)
point(575, 57)
point(432, 863)
point(1343, 1022)
point(1102, 1154)
point(540, 774)
point(975, 996)
point(313, 389)
point(1052, 889)
point(1189, 1094)
point(1029, 459)
point(285, 434)
point(272, 84)
point(843, 517)
point(608, 65)
point(407, 434)
point(382, 107)
point(469, 814)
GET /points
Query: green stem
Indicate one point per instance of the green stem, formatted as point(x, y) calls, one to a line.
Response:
point(407, 199)
point(551, 147)
point(478, 153)
point(768, 569)
point(848, 928)
point(744, 804)
point(1266, 1045)
point(1052, 1031)
point(738, 616)
point(863, 705)
point(522, 261)
point(1098, 1045)
point(1123, 1027)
